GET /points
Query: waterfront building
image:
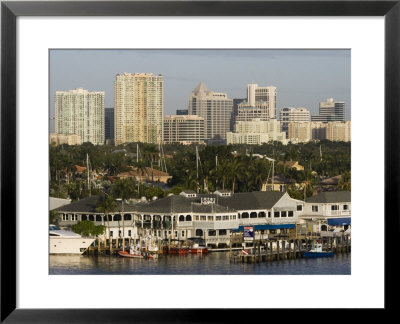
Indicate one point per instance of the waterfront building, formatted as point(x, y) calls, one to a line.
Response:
point(235, 111)
point(330, 110)
point(184, 129)
point(212, 217)
point(256, 94)
point(216, 109)
point(59, 139)
point(256, 131)
point(138, 108)
point(289, 114)
point(80, 112)
point(181, 112)
point(109, 124)
point(327, 209)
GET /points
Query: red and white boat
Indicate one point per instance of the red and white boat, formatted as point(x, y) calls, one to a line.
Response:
point(135, 254)
point(196, 248)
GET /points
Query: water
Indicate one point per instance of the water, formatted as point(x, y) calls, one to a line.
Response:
point(216, 263)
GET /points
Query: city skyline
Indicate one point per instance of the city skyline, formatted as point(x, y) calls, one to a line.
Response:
point(303, 78)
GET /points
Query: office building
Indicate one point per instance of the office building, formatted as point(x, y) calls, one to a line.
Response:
point(290, 114)
point(138, 108)
point(216, 109)
point(80, 112)
point(329, 110)
point(184, 129)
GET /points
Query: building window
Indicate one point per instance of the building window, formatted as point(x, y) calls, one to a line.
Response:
point(225, 217)
point(269, 214)
point(188, 218)
point(290, 213)
point(176, 233)
point(111, 233)
point(183, 234)
point(334, 207)
point(98, 218)
point(199, 232)
point(299, 207)
point(129, 233)
point(74, 217)
point(345, 207)
point(283, 214)
point(203, 218)
point(218, 218)
point(253, 215)
point(314, 208)
point(245, 215)
point(276, 214)
point(181, 218)
point(196, 218)
point(222, 232)
point(212, 232)
point(65, 217)
point(210, 218)
point(127, 217)
point(261, 214)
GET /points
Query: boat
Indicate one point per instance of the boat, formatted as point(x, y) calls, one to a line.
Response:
point(197, 245)
point(316, 252)
point(135, 253)
point(175, 250)
point(67, 242)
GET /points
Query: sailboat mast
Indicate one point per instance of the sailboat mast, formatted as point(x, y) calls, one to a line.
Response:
point(88, 180)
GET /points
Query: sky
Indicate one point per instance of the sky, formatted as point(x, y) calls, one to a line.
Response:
point(303, 77)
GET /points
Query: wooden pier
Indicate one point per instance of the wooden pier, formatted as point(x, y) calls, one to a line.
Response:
point(276, 250)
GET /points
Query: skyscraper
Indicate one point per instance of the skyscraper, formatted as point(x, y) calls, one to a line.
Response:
point(256, 94)
point(215, 108)
point(138, 108)
point(80, 112)
point(330, 111)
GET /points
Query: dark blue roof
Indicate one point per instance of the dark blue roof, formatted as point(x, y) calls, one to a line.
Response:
point(339, 221)
point(267, 227)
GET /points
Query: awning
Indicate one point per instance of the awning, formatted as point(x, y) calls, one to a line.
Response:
point(266, 227)
point(339, 221)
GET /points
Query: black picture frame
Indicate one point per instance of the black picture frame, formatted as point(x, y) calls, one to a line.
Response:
point(10, 10)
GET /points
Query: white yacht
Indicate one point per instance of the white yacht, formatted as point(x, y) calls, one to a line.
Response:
point(67, 242)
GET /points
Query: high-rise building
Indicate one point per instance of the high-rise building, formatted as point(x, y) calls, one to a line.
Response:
point(235, 112)
point(256, 94)
point(80, 112)
point(338, 131)
point(290, 114)
point(246, 112)
point(299, 131)
point(329, 111)
point(138, 108)
point(216, 109)
point(184, 129)
point(109, 123)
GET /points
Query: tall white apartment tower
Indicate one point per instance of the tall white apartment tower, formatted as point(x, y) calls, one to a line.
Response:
point(80, 112)
point(138, 108)
point(256, 94)
point(215, 108)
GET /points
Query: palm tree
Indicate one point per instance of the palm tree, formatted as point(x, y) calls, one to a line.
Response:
point(124, 189)
point(105, 205)
point(236, 170)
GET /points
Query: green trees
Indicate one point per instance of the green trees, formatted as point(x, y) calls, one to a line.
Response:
point(87, 228)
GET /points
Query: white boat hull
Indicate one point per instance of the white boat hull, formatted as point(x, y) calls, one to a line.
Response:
point(64, 245)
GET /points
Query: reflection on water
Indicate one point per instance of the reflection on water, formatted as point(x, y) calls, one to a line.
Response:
point(216, 263)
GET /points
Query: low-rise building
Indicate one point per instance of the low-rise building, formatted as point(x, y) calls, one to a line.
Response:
point(146, 175)
point(59, 139)
point(326, 210)
point(184, 129)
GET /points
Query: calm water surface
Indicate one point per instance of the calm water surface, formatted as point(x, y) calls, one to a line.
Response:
point(216, 263)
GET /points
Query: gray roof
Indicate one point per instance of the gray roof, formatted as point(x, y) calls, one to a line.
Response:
point(330, 197)
point(180, 204)
point(251, 200)
point(89, 205)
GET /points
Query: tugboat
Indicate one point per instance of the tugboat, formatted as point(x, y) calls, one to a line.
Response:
point(316, 252)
